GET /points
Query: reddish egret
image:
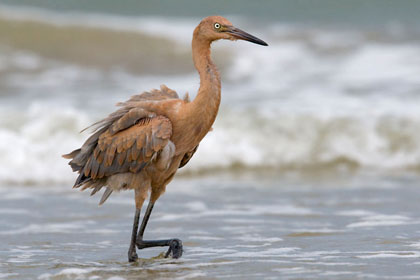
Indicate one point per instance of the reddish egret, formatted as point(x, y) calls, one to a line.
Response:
point(142, 144)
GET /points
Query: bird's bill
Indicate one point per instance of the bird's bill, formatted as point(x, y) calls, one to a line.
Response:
point(242, 35)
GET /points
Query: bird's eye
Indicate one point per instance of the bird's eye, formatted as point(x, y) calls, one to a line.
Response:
point(217, 25)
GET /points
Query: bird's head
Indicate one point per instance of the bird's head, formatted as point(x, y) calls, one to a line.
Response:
point(216, 27)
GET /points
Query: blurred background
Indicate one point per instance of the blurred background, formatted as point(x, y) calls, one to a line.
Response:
point(335, 95)
point(338, 88)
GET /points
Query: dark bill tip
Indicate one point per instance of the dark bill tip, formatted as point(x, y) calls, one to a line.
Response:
point(242, 35)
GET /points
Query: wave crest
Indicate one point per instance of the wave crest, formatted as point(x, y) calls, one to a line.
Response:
point(32, 143)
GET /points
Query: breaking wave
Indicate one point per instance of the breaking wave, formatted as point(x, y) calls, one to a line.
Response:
point(317, 98)
point(241, 139)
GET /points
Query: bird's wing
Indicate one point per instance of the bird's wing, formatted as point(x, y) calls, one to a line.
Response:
point(128, 150)
point(135, 101)
point(187, 157)
point(155, 94)
point(126, 141)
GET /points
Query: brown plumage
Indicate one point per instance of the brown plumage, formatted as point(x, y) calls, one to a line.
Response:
point(142, 144)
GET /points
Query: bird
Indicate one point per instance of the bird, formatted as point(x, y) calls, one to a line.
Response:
point(141, 145)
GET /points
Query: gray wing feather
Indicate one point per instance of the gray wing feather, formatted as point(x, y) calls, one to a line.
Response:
point(133, 152)
point(105, 196)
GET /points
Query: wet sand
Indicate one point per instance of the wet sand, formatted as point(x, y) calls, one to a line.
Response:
point(361, 227)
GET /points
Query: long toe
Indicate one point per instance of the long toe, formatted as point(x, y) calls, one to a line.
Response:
point(175, 249)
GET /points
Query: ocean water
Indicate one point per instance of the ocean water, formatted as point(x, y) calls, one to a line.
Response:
point(320, 96)
point(260, 228)
point(310, 171)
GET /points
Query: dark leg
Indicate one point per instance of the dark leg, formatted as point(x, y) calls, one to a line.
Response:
point(175, 245)
point(132, 255)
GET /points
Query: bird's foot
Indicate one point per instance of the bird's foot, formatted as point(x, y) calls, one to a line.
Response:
point(175, 248)
point(132, 255)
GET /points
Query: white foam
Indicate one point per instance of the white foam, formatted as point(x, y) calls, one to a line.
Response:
point(193, 275)
point(31, 151)
point(381, 220)
point(415, 245)
point(270, 252)
point(24, 60)
point(317, 231)
point(258, 238)
point(116, 278)
point(355, 213)
point(336, 273)
point(377, 66)
point(76, 271)
point(200, 237)
point(299, 140)
point(280, 210)
point(296, 270)
point(390, 254)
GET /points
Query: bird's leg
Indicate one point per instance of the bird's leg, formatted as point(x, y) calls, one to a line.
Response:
point(132, 255)
point(175, 245)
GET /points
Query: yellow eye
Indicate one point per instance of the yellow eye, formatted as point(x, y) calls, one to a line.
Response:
point(217, 25)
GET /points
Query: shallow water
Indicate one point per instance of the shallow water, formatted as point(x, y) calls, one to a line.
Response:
point(334, 92)
point(360, 227)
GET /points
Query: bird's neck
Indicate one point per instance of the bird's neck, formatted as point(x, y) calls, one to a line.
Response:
point(206, 104)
